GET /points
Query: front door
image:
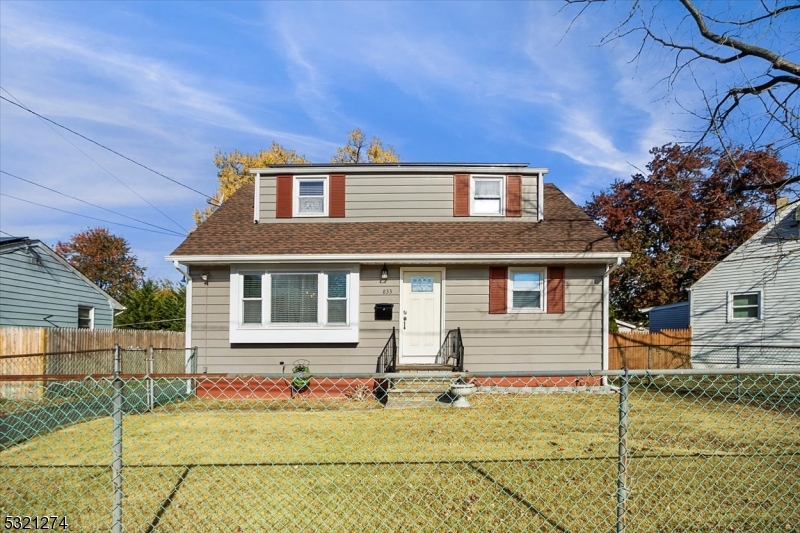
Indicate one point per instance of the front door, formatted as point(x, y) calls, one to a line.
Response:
point(420, 316)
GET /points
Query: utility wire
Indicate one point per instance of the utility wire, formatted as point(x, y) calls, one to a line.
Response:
point(47, 122)
point(91, 204)
point(171, 234)
point(204, 195)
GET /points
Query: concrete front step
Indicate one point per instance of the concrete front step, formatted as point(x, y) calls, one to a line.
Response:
point(419, 391)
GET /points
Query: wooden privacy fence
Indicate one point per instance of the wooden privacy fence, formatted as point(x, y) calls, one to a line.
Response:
point(667, 349)
point(30, 341)
point(20, 340)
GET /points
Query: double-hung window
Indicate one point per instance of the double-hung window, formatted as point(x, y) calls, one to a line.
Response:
point(85, 317)
point(526, 292)
point(744, 305)
point(311, 196)
point(285, 305)
point(487, 195)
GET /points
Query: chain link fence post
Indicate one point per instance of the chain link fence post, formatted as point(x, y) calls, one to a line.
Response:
point(116, 462)
point(622, 463)
point(150, 372)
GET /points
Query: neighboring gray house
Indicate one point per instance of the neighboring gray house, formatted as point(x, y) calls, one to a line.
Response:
point(294, 266)
point(40, 289)
point(752, 297)
point(669, 316)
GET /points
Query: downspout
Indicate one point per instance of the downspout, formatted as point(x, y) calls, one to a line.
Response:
point(188, 332)
point(609, 269)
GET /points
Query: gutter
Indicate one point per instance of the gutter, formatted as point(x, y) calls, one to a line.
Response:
point(611, 267)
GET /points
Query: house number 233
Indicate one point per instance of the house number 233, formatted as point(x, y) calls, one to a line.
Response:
point(387, 291)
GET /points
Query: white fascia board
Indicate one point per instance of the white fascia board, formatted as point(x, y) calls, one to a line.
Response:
point(402, 169)
point(257, 199)
point(409, 259)
point(540, 197)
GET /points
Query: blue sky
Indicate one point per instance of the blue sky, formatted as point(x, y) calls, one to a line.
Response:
point(167, 83)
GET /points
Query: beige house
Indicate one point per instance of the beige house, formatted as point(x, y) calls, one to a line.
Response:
point(338, 263)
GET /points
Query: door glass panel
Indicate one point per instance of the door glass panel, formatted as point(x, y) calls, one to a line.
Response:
point(421, 283)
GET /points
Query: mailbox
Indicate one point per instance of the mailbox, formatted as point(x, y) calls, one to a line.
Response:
point(383, 311)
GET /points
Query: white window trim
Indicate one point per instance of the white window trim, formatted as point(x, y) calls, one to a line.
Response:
point(91, 316)
point(502, 180)
point(266, 332)
point(730, 296)
point(510, 290)
point(296, 196)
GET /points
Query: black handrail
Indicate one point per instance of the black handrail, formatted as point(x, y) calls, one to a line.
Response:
point(452, 349)
point(387, 361)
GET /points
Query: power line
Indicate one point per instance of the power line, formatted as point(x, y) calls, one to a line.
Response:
point(46, 123)
point(89, 203)
point(173, 234)
point(104, 147)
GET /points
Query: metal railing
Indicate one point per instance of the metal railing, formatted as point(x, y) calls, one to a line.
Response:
point(679, 450)
point(387, 360)
point(452, 351)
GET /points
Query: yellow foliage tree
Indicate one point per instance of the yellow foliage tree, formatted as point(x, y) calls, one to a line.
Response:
point(233, 171)
point(358, 151)
point(233, 168)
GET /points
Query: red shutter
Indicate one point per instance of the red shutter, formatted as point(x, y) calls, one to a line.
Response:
point(555, 290)
point(336, 196)
point(513, 196)
point(283, 196)
point(461, 195)
point(498, 296)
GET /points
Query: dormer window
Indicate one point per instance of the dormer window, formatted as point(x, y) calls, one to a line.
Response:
point(311, 196)
point(486, 193)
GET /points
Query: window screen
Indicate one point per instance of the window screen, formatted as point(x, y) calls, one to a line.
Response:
point(527, 289)
point(311, 196)
point(745, 305)
point(85, 317)
point(487, 196)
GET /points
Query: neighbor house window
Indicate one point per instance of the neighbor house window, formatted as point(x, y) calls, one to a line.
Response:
point(86, 317)
point(311, 197)
point(744, 305)
point(526, 290)
point(487, 195)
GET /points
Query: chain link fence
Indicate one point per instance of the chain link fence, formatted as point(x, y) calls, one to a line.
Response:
point(689, 450)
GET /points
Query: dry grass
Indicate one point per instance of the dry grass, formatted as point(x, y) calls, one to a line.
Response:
point(508, 464)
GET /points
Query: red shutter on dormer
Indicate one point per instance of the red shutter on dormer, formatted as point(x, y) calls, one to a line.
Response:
point(513, 196)
point(555, 290)
point(336, 192)
point(461, 195)
point(283, 196)
point(498, 283)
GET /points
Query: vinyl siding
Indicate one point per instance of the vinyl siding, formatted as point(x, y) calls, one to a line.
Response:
point(396, 198)
point(511, 342)
point(29, 292)
point(210, 331)
point(769, 266)
point(527, 341)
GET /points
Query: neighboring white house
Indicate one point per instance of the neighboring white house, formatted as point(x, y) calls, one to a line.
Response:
point(751, 300)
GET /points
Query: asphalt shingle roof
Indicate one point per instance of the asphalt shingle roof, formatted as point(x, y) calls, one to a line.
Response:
point(231, 231)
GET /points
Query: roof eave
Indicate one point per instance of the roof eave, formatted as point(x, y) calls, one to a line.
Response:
point(406, 259)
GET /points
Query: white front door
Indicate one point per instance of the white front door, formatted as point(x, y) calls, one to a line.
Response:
point(420, 316)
